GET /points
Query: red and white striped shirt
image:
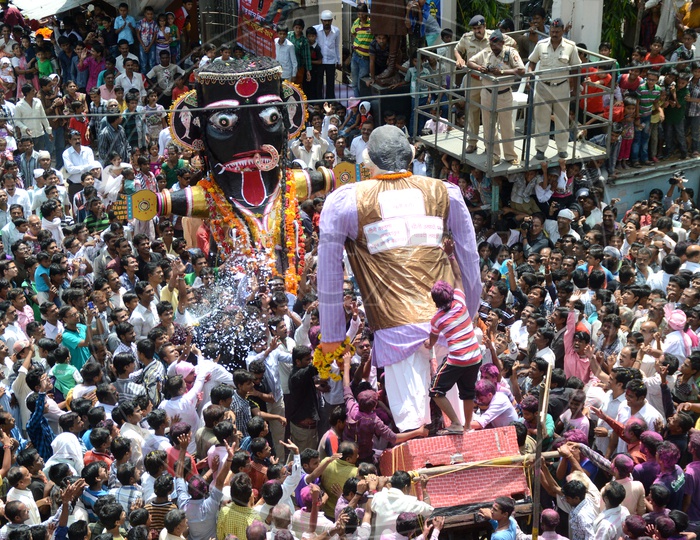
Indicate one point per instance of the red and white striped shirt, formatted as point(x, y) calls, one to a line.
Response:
point(456, 325)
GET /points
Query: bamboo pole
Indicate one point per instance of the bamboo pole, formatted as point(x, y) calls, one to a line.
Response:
point(506, 460)
point(542, 416)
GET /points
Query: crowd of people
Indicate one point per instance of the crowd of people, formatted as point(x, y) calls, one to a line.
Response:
point(148, 389)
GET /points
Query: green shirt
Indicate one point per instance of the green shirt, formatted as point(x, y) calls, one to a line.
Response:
point(363, 37)
point(171, 174)
point(336, 473)
point(675, 115)
point(301, 48)
point(647, 97)
point(45, 67)
point(94, 224)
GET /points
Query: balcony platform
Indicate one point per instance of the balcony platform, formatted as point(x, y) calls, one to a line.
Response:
point(452, 144)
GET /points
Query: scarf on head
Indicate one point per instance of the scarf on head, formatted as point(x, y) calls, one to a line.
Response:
point(677, 321)
point(54, 227)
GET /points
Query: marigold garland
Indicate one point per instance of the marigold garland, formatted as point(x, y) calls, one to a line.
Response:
point(220, 207)
point(323, 361)
point(394, 176)
point(293, 238)
point(222, 215)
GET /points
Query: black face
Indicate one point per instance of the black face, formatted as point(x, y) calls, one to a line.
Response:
point(243, 131)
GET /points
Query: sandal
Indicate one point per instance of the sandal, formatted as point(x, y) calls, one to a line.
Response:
point(452, 430)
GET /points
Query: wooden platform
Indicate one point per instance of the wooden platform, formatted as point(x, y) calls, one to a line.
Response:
point(453, 143)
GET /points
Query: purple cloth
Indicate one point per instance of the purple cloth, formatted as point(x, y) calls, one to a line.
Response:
point(675, 482)
point(692, 488)
point(646, 473)
point(339, 222)
point(343, 503)
point(361, 428)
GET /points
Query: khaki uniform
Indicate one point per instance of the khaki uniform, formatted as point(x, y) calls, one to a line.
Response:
point(467, 47)
point(552, 88)
point(508, 59)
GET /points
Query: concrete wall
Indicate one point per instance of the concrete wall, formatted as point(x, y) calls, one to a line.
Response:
point(637, 185)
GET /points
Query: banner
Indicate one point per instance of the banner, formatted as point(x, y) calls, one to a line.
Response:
point(435, 10)
point(252, 35)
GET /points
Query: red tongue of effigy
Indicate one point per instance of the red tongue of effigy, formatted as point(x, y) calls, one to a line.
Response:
point(253, 187)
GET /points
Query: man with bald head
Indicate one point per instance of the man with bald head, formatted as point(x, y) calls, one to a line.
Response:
point(256, 531)
point(692, 258)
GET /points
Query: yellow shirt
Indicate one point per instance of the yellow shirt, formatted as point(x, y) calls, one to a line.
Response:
point(234, 519)
point(689, 17)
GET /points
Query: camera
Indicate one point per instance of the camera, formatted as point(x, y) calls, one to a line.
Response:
point(525, 226)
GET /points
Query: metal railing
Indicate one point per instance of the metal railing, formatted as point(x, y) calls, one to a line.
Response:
point(457, 95)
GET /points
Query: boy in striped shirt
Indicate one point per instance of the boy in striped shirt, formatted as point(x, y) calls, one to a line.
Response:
point(464, 357)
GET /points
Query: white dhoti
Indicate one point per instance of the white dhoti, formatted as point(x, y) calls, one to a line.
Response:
point(407, 384)
point(453, 394)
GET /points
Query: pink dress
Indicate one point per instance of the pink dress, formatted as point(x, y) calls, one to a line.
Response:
point(21, 63)
point(627, 139)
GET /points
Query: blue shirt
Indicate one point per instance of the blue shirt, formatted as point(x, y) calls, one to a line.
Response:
point(68, 67)
point(71, 339)
point(608, 274)
point(86, 440)
point(121, 24)
point(39, 431)
point(39, 282)
point(504, 535)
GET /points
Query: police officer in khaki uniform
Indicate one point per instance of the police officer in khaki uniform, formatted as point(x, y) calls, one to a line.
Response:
point(470, 44)
point(554, 52)
point(498, 60)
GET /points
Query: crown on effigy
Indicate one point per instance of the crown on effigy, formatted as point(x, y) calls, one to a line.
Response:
point(259, 68)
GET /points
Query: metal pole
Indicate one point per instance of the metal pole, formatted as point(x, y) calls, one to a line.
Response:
point(544, 400)
point(529, 113)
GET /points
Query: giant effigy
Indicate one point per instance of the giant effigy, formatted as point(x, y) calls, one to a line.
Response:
point(240, 117)
point(392, 227)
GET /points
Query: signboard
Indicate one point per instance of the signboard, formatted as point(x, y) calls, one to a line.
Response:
point(252, 35)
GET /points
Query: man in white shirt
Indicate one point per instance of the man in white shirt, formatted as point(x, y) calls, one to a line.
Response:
point(30, 118)
point(77, 159)
point(17, 195)
point(562, 225)
point(543, 339)
point(130, 80)
point(285, 55)
point(494, 408)
point(133, 431)
point(359, 144)
point(309, 149)
point(145, 317)
point(388, 503)
point(614, 399)
point(124, 55)
point(164, 138)
point(328, 39)
point(637, 405)
point(608, 524)
point(518, 331)
point(52, 325)
point(692, 258)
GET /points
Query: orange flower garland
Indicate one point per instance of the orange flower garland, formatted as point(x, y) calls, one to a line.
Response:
point(291, 237)
point(223, 217)
point(393, 176)
point(219, 207)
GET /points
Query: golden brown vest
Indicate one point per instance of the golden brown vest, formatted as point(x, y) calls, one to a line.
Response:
point(397, 256)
